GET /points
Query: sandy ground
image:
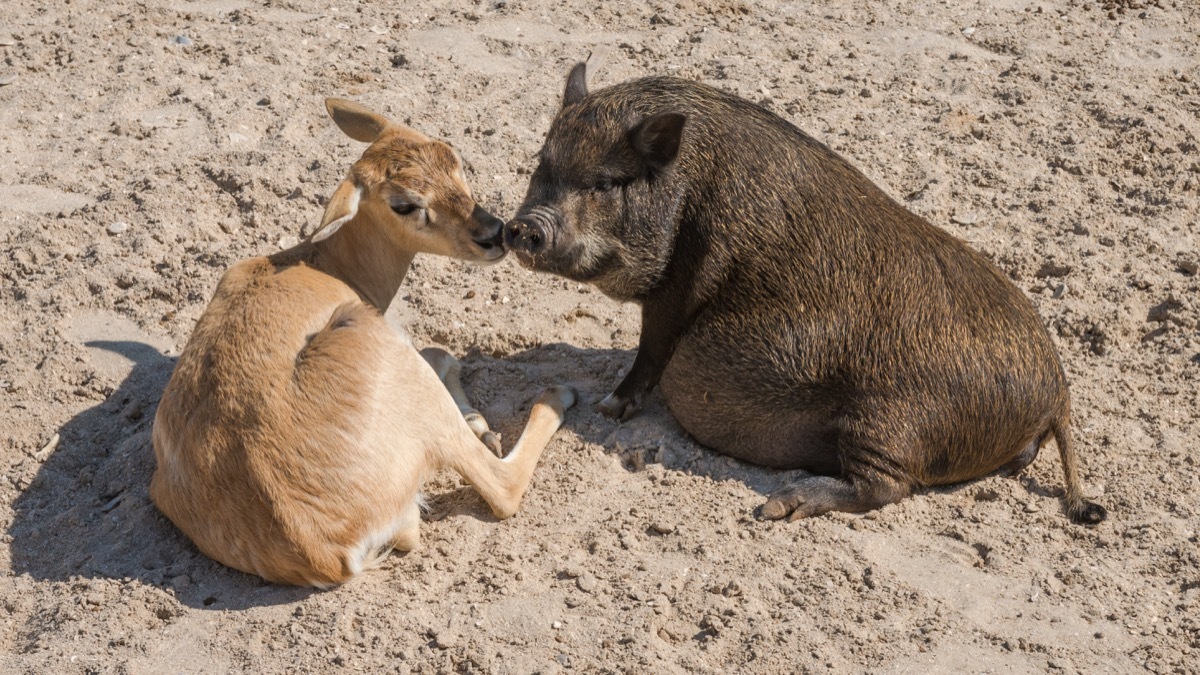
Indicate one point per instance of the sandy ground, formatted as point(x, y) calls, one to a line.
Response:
point(148, 145)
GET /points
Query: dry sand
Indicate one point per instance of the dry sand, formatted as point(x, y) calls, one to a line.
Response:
point(148, 145)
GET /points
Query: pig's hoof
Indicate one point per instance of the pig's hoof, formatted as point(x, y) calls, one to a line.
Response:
point(786, 502)
point(805, 498)
point(618, 407)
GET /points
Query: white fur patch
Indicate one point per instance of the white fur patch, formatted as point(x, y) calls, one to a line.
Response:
point(373, 548)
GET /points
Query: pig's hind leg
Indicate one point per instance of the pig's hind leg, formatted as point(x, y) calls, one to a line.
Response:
point(816, 495)
point(871, 476)
point(1030, 453)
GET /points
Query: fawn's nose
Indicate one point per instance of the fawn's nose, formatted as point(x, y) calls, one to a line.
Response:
point(488, 230)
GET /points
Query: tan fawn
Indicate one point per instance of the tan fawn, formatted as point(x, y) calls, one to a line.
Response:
point(298, 426)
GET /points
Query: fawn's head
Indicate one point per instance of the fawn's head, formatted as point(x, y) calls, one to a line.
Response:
point(412, 188)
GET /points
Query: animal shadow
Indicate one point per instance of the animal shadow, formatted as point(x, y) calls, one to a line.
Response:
point(652, 436)
point(87, 513)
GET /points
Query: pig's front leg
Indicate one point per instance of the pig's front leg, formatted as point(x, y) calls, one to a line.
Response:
point(662, 324)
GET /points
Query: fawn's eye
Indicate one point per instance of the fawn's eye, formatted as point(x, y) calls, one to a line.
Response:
point(603, 185)
point(404, 209)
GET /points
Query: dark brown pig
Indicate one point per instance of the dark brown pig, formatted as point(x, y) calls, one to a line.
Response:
point(794, 315)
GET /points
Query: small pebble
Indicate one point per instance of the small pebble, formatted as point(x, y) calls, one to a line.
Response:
point(117, 227)
point(586, 583)
point(181, 40)
point(662, 528)
point(445, 639)
point(1032, 507)
point(969, 218)
point(6, 80)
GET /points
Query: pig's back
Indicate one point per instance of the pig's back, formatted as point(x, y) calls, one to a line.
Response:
point(834, 294)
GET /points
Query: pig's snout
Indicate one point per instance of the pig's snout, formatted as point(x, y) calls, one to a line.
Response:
point(528, 233)
point(525, 236)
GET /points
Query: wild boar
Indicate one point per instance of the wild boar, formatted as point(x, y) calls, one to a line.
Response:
point(794, 315)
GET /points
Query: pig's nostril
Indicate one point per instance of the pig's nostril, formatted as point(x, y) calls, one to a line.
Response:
point(525, 236)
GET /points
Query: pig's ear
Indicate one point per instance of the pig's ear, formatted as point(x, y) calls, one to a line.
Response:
point(657, 138)
point(576, 85)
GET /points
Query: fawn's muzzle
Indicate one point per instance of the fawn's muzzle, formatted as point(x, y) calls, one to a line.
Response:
point(487, 231)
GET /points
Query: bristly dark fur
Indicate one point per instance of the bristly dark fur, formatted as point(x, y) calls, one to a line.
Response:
point(793, 313)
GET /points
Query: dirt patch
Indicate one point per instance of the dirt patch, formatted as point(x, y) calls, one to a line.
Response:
point(149, 145)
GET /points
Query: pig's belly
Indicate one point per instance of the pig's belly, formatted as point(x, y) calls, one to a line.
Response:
point(743, 411)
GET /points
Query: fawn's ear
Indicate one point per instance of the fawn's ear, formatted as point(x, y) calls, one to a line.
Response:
point(356, 121)
point(363, 125)
point(342, 206)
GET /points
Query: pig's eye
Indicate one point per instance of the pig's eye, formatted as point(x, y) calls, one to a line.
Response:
point(404, 209)
point(603, 185)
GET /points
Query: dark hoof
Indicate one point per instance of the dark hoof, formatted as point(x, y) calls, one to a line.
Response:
point(1088, 513)
point(618, 407)
point(774, 510)
point(784, 503)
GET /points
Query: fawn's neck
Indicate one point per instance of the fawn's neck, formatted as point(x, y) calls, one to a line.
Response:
point(360, 254)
